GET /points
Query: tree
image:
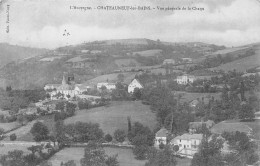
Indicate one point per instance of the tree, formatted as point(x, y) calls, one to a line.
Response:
point(108, 138)
point(13, 137)
point(112, 161)
point(141, 132)
point(39, 131)
point(162, 158)
point(129, 125)
point(119, 135)
point(121, 77)
point(209, 152)
point(246, 112)
point(140, 152)
point(137, 94)
point(13, 158)
point(246, 149)
point(95, 156)
point(70, 109)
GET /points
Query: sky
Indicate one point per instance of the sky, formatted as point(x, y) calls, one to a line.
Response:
point(38, 23)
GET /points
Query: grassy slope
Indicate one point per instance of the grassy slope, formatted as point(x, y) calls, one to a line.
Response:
point(147, 53)
point(242, 64)
point(126, 62)
point(111, 78)
point(10, 53)
point(115, 116)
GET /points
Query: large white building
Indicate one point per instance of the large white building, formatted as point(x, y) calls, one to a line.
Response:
point(134, 84)
point(109, 86)
point(188, 144)
point(185, 79)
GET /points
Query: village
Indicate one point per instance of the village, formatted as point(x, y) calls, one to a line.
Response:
point(167, 95)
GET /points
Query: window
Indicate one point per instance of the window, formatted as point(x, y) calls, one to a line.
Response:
point(180, 140)
point(187, 146)
point(179, 145)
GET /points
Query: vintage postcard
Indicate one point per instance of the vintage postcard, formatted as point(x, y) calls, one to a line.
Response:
point(129, 82)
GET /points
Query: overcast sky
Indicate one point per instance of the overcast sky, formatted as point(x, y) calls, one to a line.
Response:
point(41, 23)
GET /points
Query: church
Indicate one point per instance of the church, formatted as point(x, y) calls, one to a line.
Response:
point(67, 89)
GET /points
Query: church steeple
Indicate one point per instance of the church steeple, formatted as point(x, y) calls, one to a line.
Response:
point(64, 80)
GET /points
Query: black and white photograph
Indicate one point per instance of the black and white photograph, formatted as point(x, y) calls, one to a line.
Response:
point(129, 82)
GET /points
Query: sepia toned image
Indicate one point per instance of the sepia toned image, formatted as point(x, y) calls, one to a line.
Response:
point(129, 82)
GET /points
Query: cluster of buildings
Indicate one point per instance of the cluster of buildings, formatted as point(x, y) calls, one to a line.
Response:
point(69, 89)
point(188, 143)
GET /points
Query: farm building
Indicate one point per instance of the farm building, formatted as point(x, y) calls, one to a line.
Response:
point(134, 84)
point(185, 79)
point(161, 137)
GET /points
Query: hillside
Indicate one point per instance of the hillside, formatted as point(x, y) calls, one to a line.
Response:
point(242, 64)
point(9, 53)
point(88, 60)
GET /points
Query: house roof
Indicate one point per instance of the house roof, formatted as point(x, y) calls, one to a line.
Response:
point(187, 136)
point(162, 132)
point(230, 127)
point(137, 82)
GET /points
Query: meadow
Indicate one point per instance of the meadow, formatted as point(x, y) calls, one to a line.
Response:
point(115, 115)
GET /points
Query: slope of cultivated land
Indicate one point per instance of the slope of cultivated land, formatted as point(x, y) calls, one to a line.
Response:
point(111, 78)
point(229, 50)
point(9, 147)
point(114, 116)
point(242, 64)
point(147, 53)
point(9, 126)
point(126, 62)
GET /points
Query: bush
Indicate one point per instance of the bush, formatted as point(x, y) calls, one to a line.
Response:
point(161, 146)
point(13, 137)
point(119, 135)
point(140, 152)
point(108, 138)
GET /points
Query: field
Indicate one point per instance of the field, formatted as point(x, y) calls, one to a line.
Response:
point(6, 148)
point(147, 53)
point(241, 64)
point(255, 125)
point(126, 62)
point(115, 115)
point(22, 133)
point(229, 50)
point(125, 157)
point(9, 126)
point(111, 78)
